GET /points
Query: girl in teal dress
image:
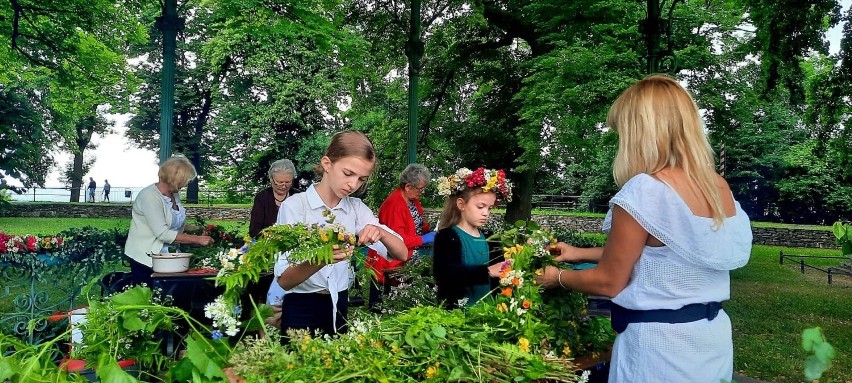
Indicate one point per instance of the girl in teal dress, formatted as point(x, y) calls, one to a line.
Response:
point(464, 265)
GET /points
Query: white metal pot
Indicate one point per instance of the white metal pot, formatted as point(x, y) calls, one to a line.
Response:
point(170, 262)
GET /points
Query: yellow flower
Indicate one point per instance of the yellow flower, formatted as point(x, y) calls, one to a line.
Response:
point(340, 237)
point(490, 185)
point(524, 344)
point(432, 371)
point(323, 237)
point(566, 351)
point(502, 307)
point(539, 272)
point(507, 253)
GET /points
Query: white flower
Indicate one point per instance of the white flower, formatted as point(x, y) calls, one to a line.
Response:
point(584, 378)
point(510, 277)
point(463, 172)
point(223, 317)
point(462, 302)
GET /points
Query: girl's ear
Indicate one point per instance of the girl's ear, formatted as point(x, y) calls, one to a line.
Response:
point(460, 203)
point(325, 162)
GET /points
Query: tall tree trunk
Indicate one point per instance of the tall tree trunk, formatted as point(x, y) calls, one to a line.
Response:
point(521, 206)
point(192, 188)
point(76, 177)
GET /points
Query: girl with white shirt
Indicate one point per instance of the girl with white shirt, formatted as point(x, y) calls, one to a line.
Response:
point(315, 297)
point(158, 218)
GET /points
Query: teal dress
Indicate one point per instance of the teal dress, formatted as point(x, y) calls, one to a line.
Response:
point(474, 253)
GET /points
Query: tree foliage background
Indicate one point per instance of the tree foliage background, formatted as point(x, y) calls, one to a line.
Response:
point(518, 84)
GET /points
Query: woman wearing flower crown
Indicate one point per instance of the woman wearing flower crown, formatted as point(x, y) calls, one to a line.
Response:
point(675, 232)
point(465, 270)
point(316, 296)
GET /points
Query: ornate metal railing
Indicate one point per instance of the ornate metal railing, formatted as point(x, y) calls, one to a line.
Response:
point(30, 296)
point(35, 287)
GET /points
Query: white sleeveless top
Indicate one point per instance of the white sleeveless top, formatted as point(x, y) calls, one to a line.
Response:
point(692, 267)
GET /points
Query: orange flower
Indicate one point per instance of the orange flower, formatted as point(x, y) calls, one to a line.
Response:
point(507, 292)
point(505, 272)
point(526, 305)
point(516, 281)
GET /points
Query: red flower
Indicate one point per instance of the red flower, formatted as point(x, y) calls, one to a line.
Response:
point(32, 241)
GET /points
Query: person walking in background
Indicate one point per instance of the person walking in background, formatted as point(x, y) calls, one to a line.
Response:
point(317, 295)
point(264, 210)
point(674, 233)
point(106, 190)
point(402, 212)
point(90, 196)
point(158, 219)
point(465, 265)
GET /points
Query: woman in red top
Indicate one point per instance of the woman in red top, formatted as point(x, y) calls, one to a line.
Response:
point(402, 212)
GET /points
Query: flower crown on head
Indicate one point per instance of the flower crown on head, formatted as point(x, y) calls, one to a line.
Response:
point(489, 180)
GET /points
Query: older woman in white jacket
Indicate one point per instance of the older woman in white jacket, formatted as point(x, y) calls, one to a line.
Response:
point(159, 218)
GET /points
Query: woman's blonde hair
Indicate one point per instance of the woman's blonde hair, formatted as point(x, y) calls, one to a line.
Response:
point(451, 215)
point(176, 172)
point(658, 127)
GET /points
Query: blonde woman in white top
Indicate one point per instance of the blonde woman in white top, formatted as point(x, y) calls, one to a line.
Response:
point(675, 232)
point(158, 218)
point(315, 296)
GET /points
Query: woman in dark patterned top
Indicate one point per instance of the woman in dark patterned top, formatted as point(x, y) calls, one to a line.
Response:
point(264, 211)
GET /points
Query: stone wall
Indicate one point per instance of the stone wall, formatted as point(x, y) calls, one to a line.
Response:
point(763, 236)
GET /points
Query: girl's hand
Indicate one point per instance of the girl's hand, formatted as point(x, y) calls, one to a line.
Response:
point(341, 253)
point(548, 279)
point(495, 269)
point(564, 252)
point(370, 234)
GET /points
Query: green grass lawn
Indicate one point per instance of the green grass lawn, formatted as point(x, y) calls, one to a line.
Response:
point(770, 306)
point(43, 226)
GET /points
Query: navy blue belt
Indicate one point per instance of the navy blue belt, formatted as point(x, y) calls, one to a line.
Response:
point(621, 317)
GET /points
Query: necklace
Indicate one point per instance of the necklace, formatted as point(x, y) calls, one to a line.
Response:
point(279, 200)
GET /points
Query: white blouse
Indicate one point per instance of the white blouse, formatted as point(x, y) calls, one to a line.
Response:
point(692, 267)
point(307, 208)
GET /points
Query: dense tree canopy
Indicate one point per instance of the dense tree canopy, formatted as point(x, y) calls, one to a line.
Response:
point(60, 62)
point(523, 85)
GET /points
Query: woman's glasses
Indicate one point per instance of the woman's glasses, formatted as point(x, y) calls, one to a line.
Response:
point(281, 183)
